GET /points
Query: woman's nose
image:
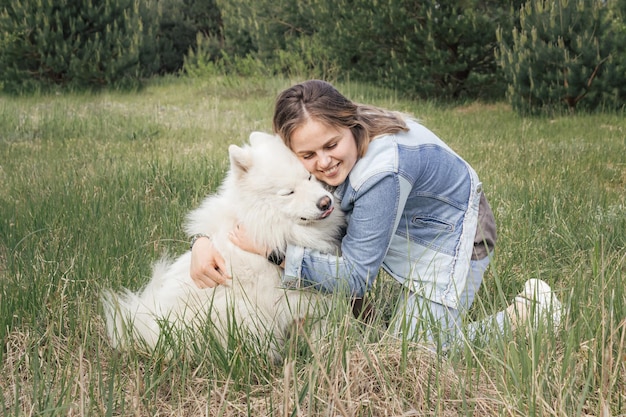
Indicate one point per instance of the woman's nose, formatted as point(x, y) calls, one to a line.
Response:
point(324, 160)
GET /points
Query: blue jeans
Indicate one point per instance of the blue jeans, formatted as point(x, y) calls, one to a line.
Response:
point(418, 318)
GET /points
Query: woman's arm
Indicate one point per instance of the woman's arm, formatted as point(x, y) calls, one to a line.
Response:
point(208, 268)
point(371, 226)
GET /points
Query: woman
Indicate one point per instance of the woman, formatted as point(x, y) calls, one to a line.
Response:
point(414, 208)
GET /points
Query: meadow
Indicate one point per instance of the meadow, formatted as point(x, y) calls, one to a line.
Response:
point(95, 187)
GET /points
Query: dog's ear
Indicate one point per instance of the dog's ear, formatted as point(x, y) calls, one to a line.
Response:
point(240, 159)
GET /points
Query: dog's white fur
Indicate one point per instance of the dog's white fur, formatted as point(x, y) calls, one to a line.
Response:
point(270, 193)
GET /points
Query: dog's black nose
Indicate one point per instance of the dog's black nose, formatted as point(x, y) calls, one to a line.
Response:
point(324, 203)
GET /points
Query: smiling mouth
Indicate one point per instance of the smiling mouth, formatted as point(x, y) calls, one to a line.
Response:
point(331, 171)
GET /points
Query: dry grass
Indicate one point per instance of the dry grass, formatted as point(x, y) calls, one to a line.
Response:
point(382, 379)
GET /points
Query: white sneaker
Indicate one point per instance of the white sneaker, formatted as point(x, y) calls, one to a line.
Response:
point(540, 302)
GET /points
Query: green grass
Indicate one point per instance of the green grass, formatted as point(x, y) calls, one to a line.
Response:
point(94, 188)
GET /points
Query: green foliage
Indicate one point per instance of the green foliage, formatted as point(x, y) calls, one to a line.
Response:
point(562, 54)
point(76, 44)
point(565, 55)
point(85, 44)
point(180, 24)
point(615, 73)
point(201, 62)
point(439, 49)
point(147, 32)
point(283, 35)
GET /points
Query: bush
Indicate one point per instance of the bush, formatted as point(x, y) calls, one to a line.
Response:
point(564, 56)
point(75, 44)
point(441, 49)
point(201, 62)
point(180, 23)
point(282, 34)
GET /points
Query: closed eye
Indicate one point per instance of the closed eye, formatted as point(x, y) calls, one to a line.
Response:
point(285, 193)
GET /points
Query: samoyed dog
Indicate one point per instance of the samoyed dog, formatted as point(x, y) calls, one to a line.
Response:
point(270, 193)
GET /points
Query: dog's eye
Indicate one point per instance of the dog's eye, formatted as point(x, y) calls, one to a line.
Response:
point(285, 193)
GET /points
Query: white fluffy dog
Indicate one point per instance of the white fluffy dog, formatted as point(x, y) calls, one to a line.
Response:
point(270, 193)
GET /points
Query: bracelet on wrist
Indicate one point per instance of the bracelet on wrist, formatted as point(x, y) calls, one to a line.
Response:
point(195, 237)
point(276, 257)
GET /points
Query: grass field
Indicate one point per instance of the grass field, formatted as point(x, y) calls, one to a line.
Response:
point(94, 188)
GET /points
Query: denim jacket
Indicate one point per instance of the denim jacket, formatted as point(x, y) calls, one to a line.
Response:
point(412, 209)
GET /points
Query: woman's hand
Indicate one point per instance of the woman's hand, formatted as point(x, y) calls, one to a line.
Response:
point(208, 268)
point(240, 238)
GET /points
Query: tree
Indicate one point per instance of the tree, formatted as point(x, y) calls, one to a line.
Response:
point(431, 49)
point(73, 43)
point(180, 23)
point(282, 34)
point(439, 48)
point(562, 57)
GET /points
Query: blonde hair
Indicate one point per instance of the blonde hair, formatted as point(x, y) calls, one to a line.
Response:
point(319, 100)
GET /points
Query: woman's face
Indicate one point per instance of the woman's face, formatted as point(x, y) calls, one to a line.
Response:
point(327, 152)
